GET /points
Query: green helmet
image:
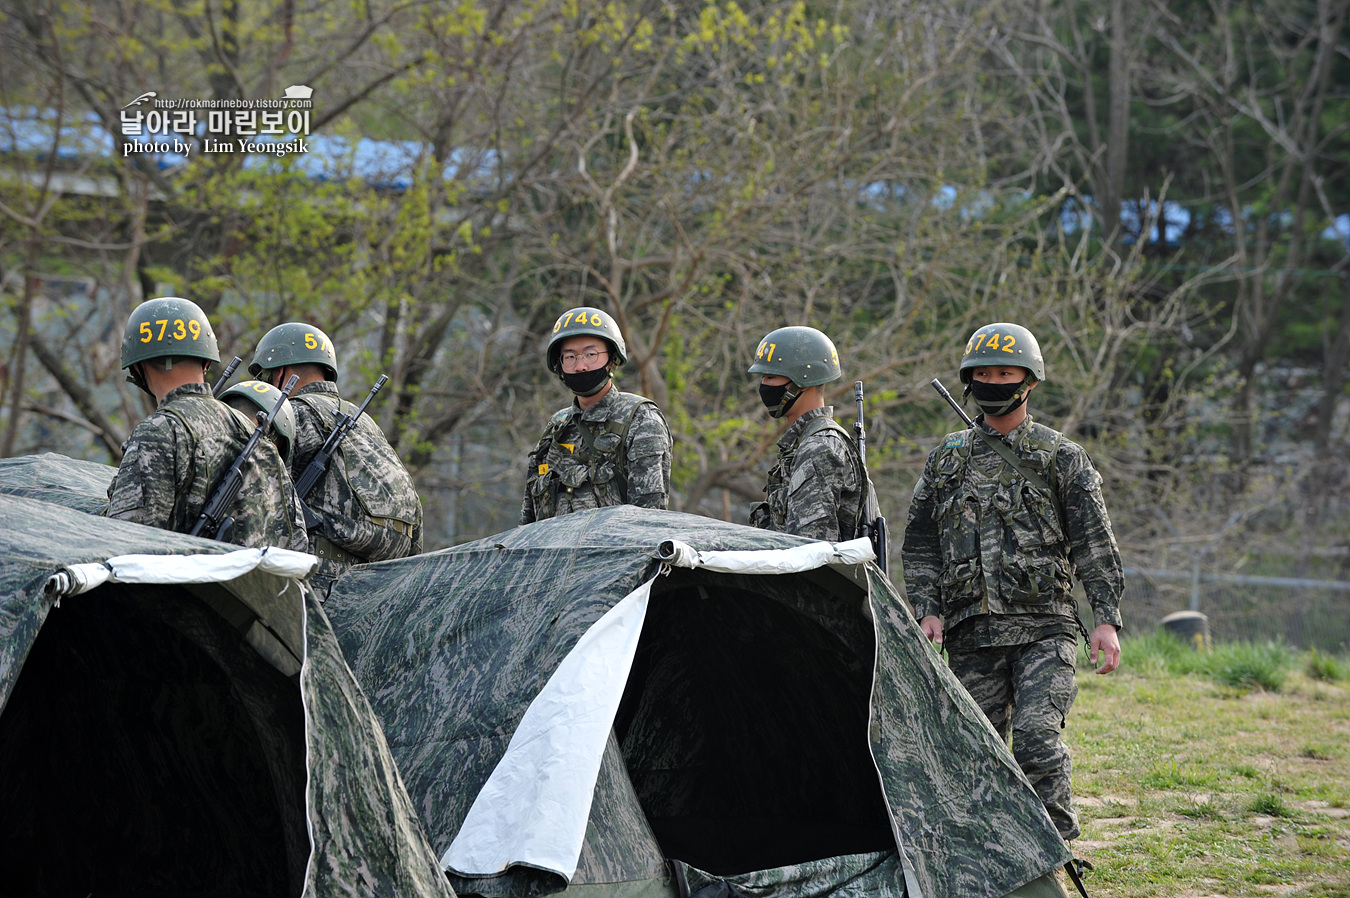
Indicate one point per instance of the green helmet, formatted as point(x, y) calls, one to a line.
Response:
point(803, 355)
point(294, 343)
point(263, 396)
point(1002, 344)
point(168, 326)
point(582, 321)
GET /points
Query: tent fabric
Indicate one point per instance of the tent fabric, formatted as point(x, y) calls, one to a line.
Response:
point(82, 485)
point(767, 720)
point(534, 806)
point(151, 747)
point(80, 578)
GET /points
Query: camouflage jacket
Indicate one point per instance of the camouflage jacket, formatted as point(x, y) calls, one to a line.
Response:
point(617, 452)
point(365, 503)
point(982, 539)
point(175, 459)
point(817, 488)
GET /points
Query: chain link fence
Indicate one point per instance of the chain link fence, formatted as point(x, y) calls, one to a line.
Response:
point(1303, 613)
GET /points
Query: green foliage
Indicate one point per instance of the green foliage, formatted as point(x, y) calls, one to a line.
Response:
point(1326, 668)
point(1238, 665)
point(1269, 805)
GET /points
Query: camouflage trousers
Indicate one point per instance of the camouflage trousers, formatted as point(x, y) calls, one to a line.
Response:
point(1026, 691)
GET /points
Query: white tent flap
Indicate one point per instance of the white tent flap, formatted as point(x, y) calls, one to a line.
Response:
point(80, 578)
point(534, 806)
point(768, 561)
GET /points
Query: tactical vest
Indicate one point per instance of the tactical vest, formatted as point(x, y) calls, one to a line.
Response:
point(386, 518)
point(775, 490)
point(1029, 568)
point(593, 471)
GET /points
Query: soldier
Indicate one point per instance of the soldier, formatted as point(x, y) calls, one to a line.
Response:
point(606, 448)
point(175, 459)
point(253, 396)
point(365, 506)
point(1002, 517)
point(818, 487)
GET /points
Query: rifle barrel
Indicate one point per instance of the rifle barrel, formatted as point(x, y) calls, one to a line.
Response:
point(956, 407)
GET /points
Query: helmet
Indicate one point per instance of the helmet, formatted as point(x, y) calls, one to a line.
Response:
point(581, 321)
point(803, 355)
point(294, 343)
point(1002, 344)
point(263, 396)
point(168, 325)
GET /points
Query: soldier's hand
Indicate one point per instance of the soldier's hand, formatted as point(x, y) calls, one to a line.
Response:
point(932, 628)
point(1104, 638)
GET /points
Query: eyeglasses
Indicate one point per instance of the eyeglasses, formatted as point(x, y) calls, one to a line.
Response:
point(570, 359)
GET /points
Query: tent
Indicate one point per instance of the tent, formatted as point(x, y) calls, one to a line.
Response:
point(628, 702)
point(176, 717)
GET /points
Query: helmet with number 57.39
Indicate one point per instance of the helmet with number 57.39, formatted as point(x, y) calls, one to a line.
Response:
point(294, 343)
point(168, 326)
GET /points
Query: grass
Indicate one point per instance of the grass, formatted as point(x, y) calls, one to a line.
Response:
point(1226, 773)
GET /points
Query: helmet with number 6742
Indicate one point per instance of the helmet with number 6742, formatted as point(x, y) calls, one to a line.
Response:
point(168, 326)
point(1002, 344)
point(294, 343)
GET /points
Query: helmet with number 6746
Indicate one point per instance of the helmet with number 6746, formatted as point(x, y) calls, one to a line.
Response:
point(585, 321)
point(1002, 344)
point(294, 343)
point(168, 326)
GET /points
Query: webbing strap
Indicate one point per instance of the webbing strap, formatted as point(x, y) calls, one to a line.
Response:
point(1019, 465)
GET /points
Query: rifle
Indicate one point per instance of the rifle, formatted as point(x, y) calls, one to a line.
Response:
point(874, 524)
point(225, 376)
point(956, 406)
point(319, 463)
point(213, 520)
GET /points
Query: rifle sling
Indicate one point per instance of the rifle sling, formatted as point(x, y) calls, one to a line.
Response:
point(1021, 467)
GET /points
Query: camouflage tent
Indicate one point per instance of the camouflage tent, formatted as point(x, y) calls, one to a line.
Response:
point(628, 702)
point(158, 732)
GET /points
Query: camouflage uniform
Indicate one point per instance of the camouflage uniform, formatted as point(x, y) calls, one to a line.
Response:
point(994, 555)
point(617, 452)
point(175, 459)
point(366, 504)
point(817, 488)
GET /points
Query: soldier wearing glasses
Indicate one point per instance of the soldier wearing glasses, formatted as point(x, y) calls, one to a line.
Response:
point(606, 448)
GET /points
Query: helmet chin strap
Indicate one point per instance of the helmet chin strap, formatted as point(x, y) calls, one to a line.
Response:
point(790, 395)
point(1010, 405)
point(136, 376)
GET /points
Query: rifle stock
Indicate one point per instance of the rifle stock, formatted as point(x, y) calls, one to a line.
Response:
point(213, 522)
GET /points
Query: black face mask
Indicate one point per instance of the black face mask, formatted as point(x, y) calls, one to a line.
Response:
point(587, 383)
point(777, 399)
point(999, 399)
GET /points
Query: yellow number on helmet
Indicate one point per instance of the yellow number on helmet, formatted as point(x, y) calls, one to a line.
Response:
point(146, 334)
point(195, 328)
point(259, 387)
point(163, 324)
point(597, 320)
point(179, 330)
point(1009, 343)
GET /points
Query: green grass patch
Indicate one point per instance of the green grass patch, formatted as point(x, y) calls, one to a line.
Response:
point(1188, 785)
point(1325, 668)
